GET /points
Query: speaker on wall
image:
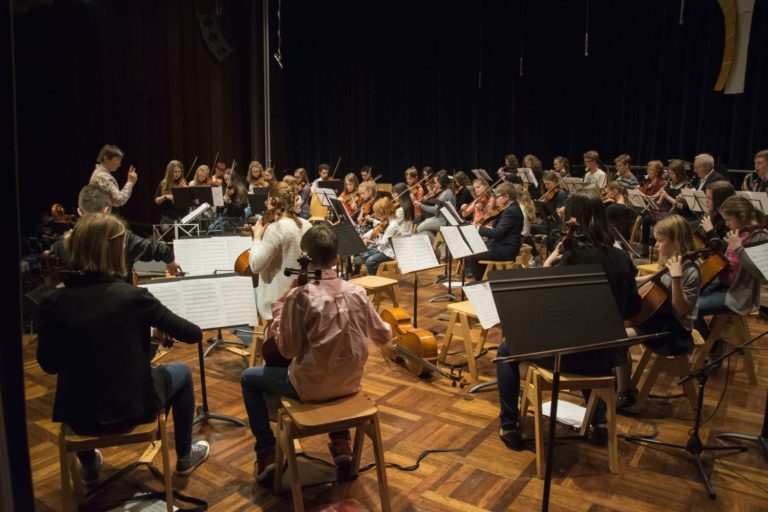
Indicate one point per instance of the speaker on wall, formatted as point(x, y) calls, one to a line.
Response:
point(214, 39)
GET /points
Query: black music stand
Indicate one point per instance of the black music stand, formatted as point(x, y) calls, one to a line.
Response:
point(350, 242)
point(563, 298)
point(257, 199)
point(695, 446)
point(336, 185)
point(188, 197)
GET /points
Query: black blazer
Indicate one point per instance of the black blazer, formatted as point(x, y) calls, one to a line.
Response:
point(715, 176)
point(95, 335)
point(506, 233)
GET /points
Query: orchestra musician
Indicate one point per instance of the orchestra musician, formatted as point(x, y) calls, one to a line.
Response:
point(529, 218)
point(293, 184)
point(109, 160)
point(367, 191)
point(324, 326)
point(219, 170)
point(202, 177)
point(235, 198)
point(462, 190)
point(594, 174)
point(256, 176)
point(757, 181)
point(484, 202)
point(416, 191)
point(427, 177)
point(349, 197)
point(92, 200)
point(304, 190)
point(624, 173)
point(275, 245)
point(441, 188)
point(506, 233)
point(554, 199)
point(738, 288)
point(654, 181)
point(533, 163)
point(712, 225)
point(618, 210)
point(674, 238)
point(378, 239)
point(366, 173)
point(324, 174)
point(405, 211)
point(174, 177)
point(593, 245)
point(561, 166)
point(94, 334)
point(269, 177)
point(509, 170)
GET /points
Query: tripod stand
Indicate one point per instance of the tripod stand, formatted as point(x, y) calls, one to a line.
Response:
point(761, 440)
point(695, 446)
point(203, 413)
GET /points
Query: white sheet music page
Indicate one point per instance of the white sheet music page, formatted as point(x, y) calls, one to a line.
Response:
point(187, 251)
point(169, 294)
point(448, 216)
point(202, 302)
point(214, 255)
point(759, 256)
point(414, 253)
point(194, 213)
point(636, 198)
point(455, 242)
point(481, 298)
point(758, 199)
point(235, 247)
point(687, 195)
point(218, 196)
point(473, 238)
point(238, 301)
point(325, 195)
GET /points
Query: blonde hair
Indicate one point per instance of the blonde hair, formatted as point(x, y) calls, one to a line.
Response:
point(506, 189)
point(370, 186)
point(168, 182)
point(256, 182)
point(677, 229)
point(383, 208)
point(197, 181)
point(526, 203)
point(97, 245)
point(283, 197)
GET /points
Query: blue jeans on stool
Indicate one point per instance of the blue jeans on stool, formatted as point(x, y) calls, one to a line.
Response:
point(711, 302)
point(372, 257)
point(257, 381)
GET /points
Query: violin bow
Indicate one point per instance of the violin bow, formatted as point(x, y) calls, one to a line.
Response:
point(336, 168)
point(190, 169)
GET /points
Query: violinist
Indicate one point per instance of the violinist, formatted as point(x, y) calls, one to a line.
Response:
point(325, 326)
point(427, 178)
point(416, 190)
point(618, 211)
point(349, 197)
point(674, 238)
point(304, 190)
point(174, 177)
point(509, 170)
point(235, 198)
point(667, 197)
point(738, 288)
point(269, 177)
point(561, 166)
point(324, 174)
point(713, 225)
point(757, 181)
point(441, 188)
point(275, 244)
point(505, 235)
point(366, 173)
point(378, 239)
point(367, 192)
point(94, 334)
point(293, 183)
point(462, 190)
point(483, 203)
point(202, 177)
point(554, 199)
point(404, 208)
point(255, 176)
point(529, 218)
point(109, 161)
point(217, 180)
point(533, 163)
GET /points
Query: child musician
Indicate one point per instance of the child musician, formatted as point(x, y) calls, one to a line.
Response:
point(378, 239)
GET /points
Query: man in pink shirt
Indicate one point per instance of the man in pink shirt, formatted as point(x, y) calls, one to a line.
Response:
point(324, 327)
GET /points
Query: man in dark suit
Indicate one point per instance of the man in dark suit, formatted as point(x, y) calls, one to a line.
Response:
point(704, 168)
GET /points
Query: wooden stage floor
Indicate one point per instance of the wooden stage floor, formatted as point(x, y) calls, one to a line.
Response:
point(420, 414)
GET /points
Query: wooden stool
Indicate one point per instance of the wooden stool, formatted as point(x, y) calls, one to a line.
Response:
point(296, 420)
point(392, 271)
point(647, 269)
point(734, 330)
point(70, 443)
point(378, 286)
point(461, 314)
point(257, 341)
point(539, 380)
point(520, 262)
point(678, 365)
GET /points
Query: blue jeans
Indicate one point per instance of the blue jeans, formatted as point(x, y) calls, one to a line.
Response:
point(711, 302)
point(372, 257)
point(257, 381)
point(173, 385)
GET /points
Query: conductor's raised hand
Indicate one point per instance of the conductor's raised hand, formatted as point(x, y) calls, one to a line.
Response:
point(133, 176)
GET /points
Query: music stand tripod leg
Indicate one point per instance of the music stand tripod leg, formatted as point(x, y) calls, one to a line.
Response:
point(761, 440)
point(219, 341)
point(203, 413)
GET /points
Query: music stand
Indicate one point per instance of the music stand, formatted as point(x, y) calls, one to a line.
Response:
point(336, 185)
point(187, 197)
point(562, 298)
point(257, 199)
point(350, 242)
point(413, 254)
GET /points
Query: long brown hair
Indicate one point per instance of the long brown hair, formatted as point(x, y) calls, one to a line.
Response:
point(97, 245)
point(743, 209)
point(168, 182)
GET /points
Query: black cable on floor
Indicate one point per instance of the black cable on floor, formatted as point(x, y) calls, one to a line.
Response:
point(412, 467)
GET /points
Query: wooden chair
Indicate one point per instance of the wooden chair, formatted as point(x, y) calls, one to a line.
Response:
point(733, 329)
point(678, 366)
point(378, 287)
point(296, 420)
point(539, 380)
point(257, 341)
point(521, 261)
point(70, 443)
point(634, 235)
point(647, 269)
point(317, 212)
point(459, 325)
point(390, 270)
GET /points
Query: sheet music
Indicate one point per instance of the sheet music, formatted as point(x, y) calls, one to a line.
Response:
point(202, 256)
point(473, 238)
point(325, 195)
point(211, 302)
point(571, 184)
point(480, 173)
point(187, 251)
point(759, 256)
point(218, 196)
point(455, 242)
point(414, 253)
point(481, 298)
point(695, 199)
point(448, 216)
point(636, 198)
point(235, 247)
point(452, 209)
point(759, 199)
point(195, 213)
point(526, 174)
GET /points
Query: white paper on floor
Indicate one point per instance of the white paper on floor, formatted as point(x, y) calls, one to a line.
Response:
point(567, 413)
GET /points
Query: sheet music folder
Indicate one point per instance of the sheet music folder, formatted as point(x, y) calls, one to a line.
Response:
point(567, 309)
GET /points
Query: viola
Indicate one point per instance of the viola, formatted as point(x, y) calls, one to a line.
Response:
point(378, 230)
point(417, 347)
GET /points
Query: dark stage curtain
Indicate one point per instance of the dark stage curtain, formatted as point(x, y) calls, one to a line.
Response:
point(438, 83)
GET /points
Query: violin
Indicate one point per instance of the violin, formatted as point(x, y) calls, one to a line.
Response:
point(491, 215)
point(378, 230)
point(417, 347)
point(59, 214)
point(653, 294)
point(243, 261)
point(548, 195)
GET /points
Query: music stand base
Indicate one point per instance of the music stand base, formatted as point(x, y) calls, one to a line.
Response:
point(448, 297)
point(205, 415)
point(218, 342)
point(481, 387)
point(761, 441)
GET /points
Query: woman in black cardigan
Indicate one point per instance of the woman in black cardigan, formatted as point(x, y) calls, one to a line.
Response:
point(505, 237)
point(95, 335)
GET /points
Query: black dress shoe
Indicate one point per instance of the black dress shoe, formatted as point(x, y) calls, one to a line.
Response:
point(512, 439)
point(626, 400)
point(597, 436)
